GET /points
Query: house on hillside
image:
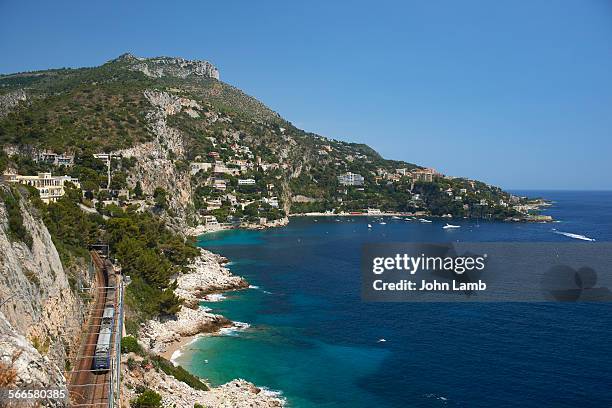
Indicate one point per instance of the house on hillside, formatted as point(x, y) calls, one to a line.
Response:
point(50, 188)
point(351, 179)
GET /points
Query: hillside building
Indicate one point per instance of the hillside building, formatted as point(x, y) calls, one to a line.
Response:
point(50, 188)
point(351, 179)
point(55, 159)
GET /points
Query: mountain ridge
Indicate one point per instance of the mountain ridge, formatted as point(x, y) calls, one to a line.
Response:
point(111, 108)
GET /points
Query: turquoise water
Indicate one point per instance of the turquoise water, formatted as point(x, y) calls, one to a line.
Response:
point(312, 337)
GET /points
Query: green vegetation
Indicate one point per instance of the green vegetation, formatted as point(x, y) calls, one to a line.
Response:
point(178, 372)
point(17, 231)
point(147, 399)
point(103, 108)
point(31, 276)
point(41, 346)
point(129, 344)
point(138, 190)
point(145, 248)
point(72, 230)
point(150, 254)
point(161, 198)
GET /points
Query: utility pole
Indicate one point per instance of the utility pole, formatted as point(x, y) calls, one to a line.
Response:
point(108, 158)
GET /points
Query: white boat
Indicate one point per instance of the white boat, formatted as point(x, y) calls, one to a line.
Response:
point(395, 217)
point(369, 225)
point(424, 220)
point(450, 226)
point(382, 223)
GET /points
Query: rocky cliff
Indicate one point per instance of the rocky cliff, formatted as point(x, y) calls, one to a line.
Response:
point(168, 66)
point(41, 311)
point(155, 160)
point(10, 100)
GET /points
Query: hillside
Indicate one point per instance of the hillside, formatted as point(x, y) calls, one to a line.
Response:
point(165, 118)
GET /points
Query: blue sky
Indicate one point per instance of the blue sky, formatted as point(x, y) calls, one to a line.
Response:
point(515, 93)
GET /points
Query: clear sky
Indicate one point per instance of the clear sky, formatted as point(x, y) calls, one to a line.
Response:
point(515, 93)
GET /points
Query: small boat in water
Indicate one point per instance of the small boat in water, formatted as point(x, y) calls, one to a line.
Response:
point(369, 225)
point(395, 217)
point(382, 223)
point(424, 220)
point(575, 236)
point(451, 226)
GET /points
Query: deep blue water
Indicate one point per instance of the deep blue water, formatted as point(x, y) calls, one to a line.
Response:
point(312, 337)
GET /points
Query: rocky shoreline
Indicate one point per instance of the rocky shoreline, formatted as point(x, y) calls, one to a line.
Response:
point(165, 337)
point(203, 229)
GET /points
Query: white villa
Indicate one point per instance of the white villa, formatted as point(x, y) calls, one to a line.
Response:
point(351, 179)
point(49, 187)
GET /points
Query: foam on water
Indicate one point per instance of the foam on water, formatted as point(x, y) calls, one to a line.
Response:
point(175, 356)
point(272, 393)
point(258, 288)
point(235, 329)
point(214, 297)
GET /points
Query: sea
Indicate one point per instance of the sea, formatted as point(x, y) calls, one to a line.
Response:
point(307, 334)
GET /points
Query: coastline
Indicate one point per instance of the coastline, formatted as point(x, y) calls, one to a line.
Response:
point(210, 277)
point(205, 229)
point(167, 337)
point(528, 217)
point(169, 353)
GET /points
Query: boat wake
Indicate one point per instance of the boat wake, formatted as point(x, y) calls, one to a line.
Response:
point(258, 288)
point(451, 226)
point(575, 236)
point(438, 397)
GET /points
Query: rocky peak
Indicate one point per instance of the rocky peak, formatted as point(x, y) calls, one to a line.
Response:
point(157, 67)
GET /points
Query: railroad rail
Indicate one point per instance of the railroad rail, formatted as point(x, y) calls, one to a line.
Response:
point(89, 385)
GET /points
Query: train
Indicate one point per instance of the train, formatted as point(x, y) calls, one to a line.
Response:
point(102, 355)
point(102, 358)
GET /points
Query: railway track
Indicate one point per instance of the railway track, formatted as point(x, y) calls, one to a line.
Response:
point(88, 388)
